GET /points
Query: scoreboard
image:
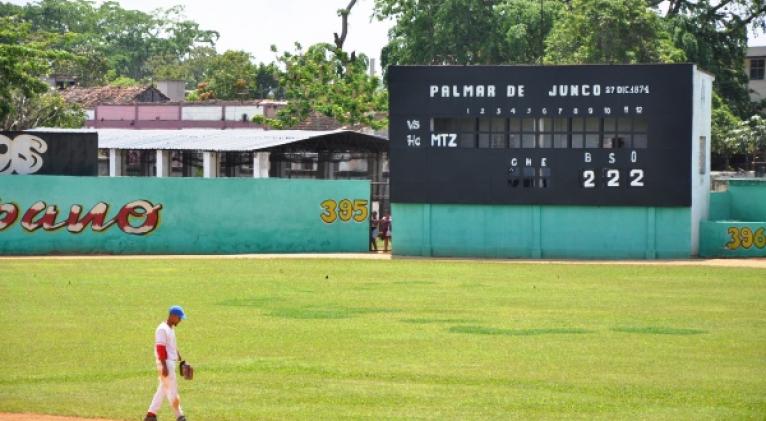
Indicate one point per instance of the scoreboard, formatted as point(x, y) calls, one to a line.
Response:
point(598, 135)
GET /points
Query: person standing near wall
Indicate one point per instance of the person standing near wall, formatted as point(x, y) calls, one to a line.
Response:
point(385, 231)
point(374, 231)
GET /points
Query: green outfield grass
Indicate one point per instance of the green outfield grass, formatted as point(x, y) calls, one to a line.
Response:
point(324, 339)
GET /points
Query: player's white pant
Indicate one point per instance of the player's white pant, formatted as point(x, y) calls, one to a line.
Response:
point(168, 388)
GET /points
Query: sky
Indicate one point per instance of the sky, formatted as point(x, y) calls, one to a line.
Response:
point(254, 25)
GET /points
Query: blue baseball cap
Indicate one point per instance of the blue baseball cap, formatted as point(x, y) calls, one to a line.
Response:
point(177, 311)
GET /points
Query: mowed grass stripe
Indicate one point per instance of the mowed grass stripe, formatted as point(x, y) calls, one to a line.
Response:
point(325, 339)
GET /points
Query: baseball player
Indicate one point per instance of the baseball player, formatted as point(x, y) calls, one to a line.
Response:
point(167, 356)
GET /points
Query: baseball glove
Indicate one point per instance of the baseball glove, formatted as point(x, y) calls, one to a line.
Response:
point(186, 370)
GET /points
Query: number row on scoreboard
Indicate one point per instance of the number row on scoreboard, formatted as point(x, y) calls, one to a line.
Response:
point(563, 111)
point(539, 132)
point(612, 178)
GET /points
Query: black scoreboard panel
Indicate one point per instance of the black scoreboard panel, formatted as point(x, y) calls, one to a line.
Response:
point(552, 135)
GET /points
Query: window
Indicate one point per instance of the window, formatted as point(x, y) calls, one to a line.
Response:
point(236, 164)
point(640, 133)
point(139, 163)
point(625, 132)
point(186, 164)
point(617, 133)
point(757, 66)
point(545, 133)
point(467, 132)
point(514, 133)
point(543, 181)
point(560, 133)
point(464, 128)
point(493, 133)
point(528, 132)
point(103, 162)
point(586, 132)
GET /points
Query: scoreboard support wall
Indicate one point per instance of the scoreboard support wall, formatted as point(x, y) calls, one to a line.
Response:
point(549, 161)
point(541, 231)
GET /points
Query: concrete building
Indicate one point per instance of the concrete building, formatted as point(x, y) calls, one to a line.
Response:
point(755, 64)
point(173, 89)
point(248, 153)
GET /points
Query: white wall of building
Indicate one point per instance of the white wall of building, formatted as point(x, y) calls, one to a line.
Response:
point(700, 177)
point(757, 87)
point(173, 89)
point(235, 112)
point(202, 113)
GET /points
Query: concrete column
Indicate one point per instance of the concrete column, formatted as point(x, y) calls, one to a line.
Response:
point(163, 163)
point(115, 162)
point(261, 165)
point(325, 166)
point(210, 164)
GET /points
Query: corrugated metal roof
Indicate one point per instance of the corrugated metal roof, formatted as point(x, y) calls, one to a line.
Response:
point(239, 140)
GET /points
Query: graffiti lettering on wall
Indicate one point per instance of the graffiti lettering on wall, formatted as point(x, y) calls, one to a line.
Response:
point(744, 237)
point(139, 217)
point(345, 210)
point(21, 154)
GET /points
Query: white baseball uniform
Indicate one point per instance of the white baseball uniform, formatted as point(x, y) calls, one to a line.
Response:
point(165, 335)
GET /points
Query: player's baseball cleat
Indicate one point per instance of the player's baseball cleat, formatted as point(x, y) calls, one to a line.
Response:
point(181, 418)
point(150, 418)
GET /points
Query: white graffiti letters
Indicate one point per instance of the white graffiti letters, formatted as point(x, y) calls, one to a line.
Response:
point(22, 154)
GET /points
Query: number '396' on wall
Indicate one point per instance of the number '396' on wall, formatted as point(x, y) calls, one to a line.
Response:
point(744, 237)
point(345, 210)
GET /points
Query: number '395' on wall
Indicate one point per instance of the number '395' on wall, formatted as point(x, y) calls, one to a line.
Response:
point(344, 210)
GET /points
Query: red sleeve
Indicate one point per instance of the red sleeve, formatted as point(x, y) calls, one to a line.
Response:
point(162, 353)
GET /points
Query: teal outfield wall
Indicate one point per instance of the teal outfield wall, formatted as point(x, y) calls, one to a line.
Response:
point(736, 226)
point(184, 216)
point(577, 232)
point(745, 200)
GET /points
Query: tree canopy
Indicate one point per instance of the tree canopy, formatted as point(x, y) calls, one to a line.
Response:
point(100, 43)
point(628, 32)
point(466, 31)
point(325, 79)
point(24, 58)
point(111, 37)
point(711, 33)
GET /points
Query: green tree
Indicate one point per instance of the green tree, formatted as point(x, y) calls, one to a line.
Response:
point(230, 75)
point(525, 26)
point(610, 31)
point(724, 142)
point(714, 36)
point(113, 79)
point(751, 134)
point(46, 110)
point(109, 35)
point(192, 69)
point(24, 59)
point(327, 80)
point(267, 82)
point(466, 31)
point(234, 75)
